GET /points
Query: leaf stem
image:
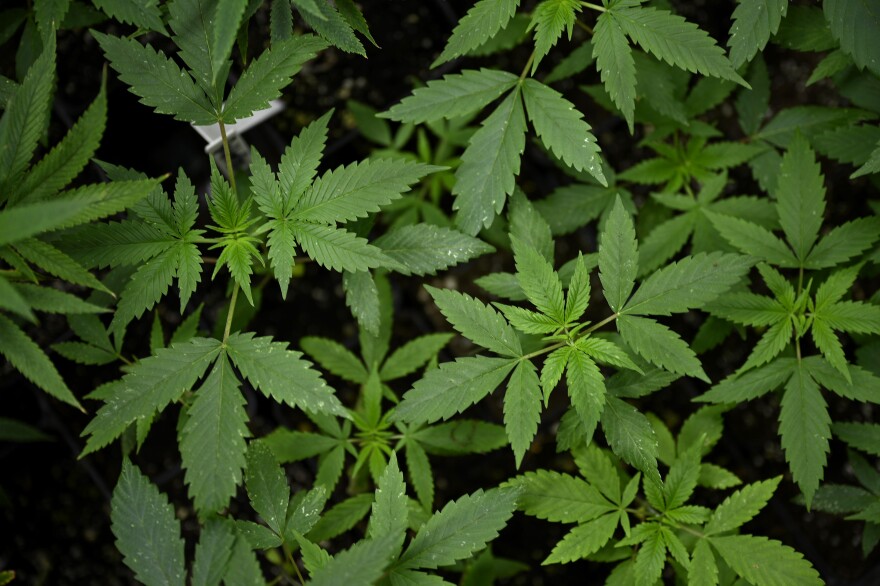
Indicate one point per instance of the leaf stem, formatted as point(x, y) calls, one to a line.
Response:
point(525, 70)
point(293, 563)
point(594, 6)
point(585, 26)
point(229, 170)
point(558, 345)
point(230, 313)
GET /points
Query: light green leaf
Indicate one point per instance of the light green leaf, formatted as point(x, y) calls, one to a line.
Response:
point(149, 386)
point(765, 562)
point(549, 20)
point(355, 191)
point(703, 570)
point(753, 239)
point(490, 164)
point(212, 441)
point(282, 374)
point(630, 435)
point(560, 498)
point(651, 557)
point(389, 508)
point(267, 75)
point(455, 95)
point(741, 506)
point(800, 194)
point(26, 357)
point(331, 25)
point(337, 249)
point(481, 23)
point(615, 63)
point(157, 80)
point(748, 309)
point(843, 243)
point(754, 22)
point(753, 384)
point(539, 281)
point(452, 388)
point(424, 249)
point(477, 322)
point(341, 517)
point(665, 241)
point(522, 408)
point(689, 283)
point(413, 355)
point(461, 528)
point(586, 388)
point(562, 129)
point(659, 345)
point(583, 540)
point(618, 257)
point(804, 425)
point(335, 357)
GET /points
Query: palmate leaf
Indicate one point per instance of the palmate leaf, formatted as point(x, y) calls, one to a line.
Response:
point(327, 21)
point(148, 387)
point(455, 95)
point(213, 553)
point(300, 161)
point(267, 74)
point(861, 436)
point(420, 476)
point(143, 14)
point(539, 281)
point(212, 441)
point(618, 257)
point(362, 296)
point(741, 506)
point(481, 23)
point(489, 165)
point(560, 498)
point(267, 486)
point(360, 565)
point(586, 388)
point(765, 562)
point(852, 23)
point(689, 283)
point(352, 192)
point(157, 80)
point(800, 195)
point(522, 408)
point(282, 374)
point(843, 243)
point(452, 388)
point(805, 427)
point(630, 435)
point(25, 116)
point(424, 249)
point(23, 354)
point(227, 19)
point(754, 22)
point(462, 436)
point(583, 540)
point(462, 527)
point(615, 63)
point(675, 40)
point(337, 249)
point(51, 300)
point(335, 357)
point(751, 385)
point(659, 345)
point(562, 128)
point(389, 509)
point(549, 20)
point(69, 157)
point(146, 530)
point(753, 239)
point(413, 355)
point(113, 244)
point(477, 322)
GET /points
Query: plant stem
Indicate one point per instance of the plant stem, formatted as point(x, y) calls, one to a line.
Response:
point(557, 345)
point(525, 70)
point(229, 170)
point(230, 313)
point(594, 6)
point(584, 26)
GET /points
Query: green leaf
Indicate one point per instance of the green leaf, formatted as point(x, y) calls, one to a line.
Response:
point(420, 476)
point(659, 345)
point(703, 570)
point(651, 557)
point(843, 243)
point(529, 227)
point(146, 530)
point(300, 161)
point(453, 96)
point(665, 241)
point(389, 508)
point(52, 300)
point(741, 506)
point(753, 384)
point(800, 194)
point(227, 19)
point(586, 388)
point(26, 116)
point(331, 25)
point(578, 296)
point(630, 435)
point(852, 23)
point(452, 388)
point(522, 408)
point(213, 553)
point(829, 345)
point(489, 165)
point(481, 23)
point(462, 436)
point(614, 60)
point(583, 540)
point(539, 281)
point(754, 22)
point(282, 374)
point(549, 20)
point(292, 446)
point(49, 14)
point(679, 484)
point(861, 436)
point(362, 297)
point(335, 357)
point(804, 425)
point(765, 562)
point(527, 321)
point(753, 239)
point(562, 129)
point(477, 322)
point(143, 14)
point(675, 40)
point(424, 249)
point(26, 357)
point(560, 498)
point(461, 528)
point(267, 75)
point(150, 386)
point(618, 257)
point(748, 309)
point(355, 191)
point(337, 249)
point(157, 80)
point(267, 486)
point(360, 565)
point(689, 283)
point(413, 355)
point(212, 442)
point(341, 517)
point(147, 286)
point(65, 161)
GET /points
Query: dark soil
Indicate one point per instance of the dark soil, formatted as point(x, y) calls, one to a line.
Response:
point(55, 514)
